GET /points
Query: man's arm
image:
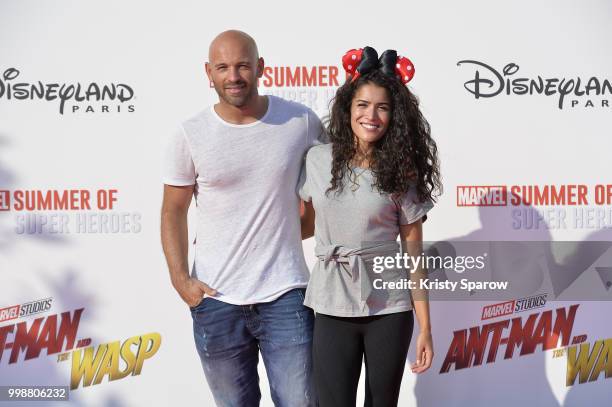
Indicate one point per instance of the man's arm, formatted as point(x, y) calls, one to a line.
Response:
point(175, 242)
point(307, 219)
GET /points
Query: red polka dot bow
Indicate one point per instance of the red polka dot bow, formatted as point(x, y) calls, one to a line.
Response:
point(357, 62)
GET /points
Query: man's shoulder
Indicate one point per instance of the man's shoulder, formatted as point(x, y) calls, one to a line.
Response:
point(197, 121)
point(290, 106)
point(201, 116)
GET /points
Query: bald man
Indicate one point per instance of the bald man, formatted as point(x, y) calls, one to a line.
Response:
point(241, 160)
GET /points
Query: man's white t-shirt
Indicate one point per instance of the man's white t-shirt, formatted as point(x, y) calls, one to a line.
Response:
point(248, 243)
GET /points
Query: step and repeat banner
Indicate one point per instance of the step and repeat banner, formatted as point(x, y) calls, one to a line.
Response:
point(519, 99)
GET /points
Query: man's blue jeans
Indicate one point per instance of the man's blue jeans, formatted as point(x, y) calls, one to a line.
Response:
point(230, 337)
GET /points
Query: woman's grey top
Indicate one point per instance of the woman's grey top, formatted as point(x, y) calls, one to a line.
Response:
point(351, 228)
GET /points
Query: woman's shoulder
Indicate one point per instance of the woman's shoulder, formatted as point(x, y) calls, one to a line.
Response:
point(319, 152)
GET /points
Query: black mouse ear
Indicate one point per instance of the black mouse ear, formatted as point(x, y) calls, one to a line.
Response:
point(388, 60)
point(369, 60)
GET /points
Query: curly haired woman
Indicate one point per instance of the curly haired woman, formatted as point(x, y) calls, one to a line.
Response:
point(375, 181)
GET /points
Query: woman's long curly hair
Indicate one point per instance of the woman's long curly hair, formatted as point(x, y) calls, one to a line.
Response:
point(405, 157)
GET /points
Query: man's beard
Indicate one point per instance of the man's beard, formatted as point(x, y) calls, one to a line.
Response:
point(236, 101)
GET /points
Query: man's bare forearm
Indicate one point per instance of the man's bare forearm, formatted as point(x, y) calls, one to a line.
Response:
point(175, 242)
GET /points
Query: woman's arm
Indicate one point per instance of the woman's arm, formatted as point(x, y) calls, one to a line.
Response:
point(307, 220)
point(412, 244)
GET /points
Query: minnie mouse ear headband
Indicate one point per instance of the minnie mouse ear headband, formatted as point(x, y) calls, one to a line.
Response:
point(357, 62)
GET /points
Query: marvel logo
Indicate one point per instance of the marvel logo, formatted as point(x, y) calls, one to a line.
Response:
point(482, 195)
point(497, 310)
point(9, 313)
point(5, 200)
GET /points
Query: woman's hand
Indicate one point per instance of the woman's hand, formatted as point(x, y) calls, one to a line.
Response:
point(424, 352)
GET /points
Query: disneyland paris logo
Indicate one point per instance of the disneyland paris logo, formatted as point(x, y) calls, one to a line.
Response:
point(488, 82)
point(75, 97)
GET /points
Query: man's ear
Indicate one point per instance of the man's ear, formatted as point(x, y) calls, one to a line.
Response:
point(260, 67)
point(208, 68)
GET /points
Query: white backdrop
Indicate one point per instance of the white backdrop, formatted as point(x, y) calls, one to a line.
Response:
point(158, 50)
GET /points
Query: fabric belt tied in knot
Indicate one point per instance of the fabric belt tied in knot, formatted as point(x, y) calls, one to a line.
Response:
point(357, 260)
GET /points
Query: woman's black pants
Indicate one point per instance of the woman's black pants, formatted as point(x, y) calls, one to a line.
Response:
point(339, 344)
